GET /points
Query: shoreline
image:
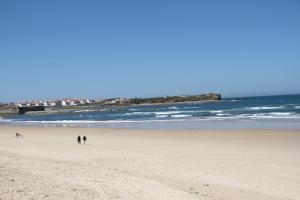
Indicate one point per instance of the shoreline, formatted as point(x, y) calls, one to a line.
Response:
point(151, 130)
point(175, 124)
point(149, 164)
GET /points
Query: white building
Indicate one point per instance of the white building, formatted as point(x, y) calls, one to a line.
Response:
point(63, 103)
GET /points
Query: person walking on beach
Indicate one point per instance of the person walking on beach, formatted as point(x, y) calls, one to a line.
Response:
point(84, 139)
point(79, 139)
point(18, 135)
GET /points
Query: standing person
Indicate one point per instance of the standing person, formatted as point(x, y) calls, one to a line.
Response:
point(79, 139)
point(84, 139)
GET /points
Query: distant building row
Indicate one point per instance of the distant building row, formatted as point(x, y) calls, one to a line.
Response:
point(65, 102)
point(73, 102)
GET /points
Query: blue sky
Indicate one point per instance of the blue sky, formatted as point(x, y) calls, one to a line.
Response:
point(55, 49)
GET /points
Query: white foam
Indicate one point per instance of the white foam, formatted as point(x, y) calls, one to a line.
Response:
point(264, 107)
point(216, 111)
point(5, 120)
point(139, 113)
point(173, 108)
point(281, 113)
point(80, 111)
point(162, 116)
point(167, 113)
point(155, 113)
point(56, 122)
point(223, 114)
point(181, 116)
point(134, 109)
point(274, 115)
point(141, 121)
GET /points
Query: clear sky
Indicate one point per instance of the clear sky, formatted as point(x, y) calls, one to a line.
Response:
point(58, 48)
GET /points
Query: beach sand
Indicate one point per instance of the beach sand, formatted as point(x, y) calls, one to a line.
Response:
point(47, 163)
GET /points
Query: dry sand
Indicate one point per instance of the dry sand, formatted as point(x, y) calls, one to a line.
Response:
point(138, 164)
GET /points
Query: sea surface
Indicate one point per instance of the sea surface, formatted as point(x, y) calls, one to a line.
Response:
point(270, 112)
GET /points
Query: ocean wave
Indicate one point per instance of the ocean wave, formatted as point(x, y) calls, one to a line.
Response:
point(134, 109)
point(273, 115)
point(162, 116)
point(52, 122)
point(168, 118)
point(167, 112)
point(281, 113)
point(192, 107)
point(223, 114)
point(95, 122)
point(297, 107)
point(216, 111)
point(173, 108)
point(139, 113)
point(83, 111)
point(5, 120)
point(181, 116)
point(141, 121)
point(265, 107)
point(155, 113)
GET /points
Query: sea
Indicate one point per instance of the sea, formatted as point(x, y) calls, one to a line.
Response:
point(263, 112)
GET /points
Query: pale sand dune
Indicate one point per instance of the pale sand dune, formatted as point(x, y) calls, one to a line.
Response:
point(137, 164)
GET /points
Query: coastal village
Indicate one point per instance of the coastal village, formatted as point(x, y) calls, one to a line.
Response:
point(70, 102)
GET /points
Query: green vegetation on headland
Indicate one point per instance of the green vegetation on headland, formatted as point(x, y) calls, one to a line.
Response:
point(109, 104)
point(176, 99)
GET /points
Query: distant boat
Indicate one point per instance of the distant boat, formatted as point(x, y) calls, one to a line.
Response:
point(23, 110)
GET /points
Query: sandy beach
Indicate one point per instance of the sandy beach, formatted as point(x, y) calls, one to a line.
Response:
point(47, 163)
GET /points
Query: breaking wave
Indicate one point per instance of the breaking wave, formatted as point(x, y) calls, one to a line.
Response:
point(265, 107)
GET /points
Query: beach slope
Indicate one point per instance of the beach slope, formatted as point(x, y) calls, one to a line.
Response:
point(47, 163)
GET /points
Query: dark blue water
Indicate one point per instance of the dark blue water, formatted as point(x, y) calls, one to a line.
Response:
point(229, 112)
